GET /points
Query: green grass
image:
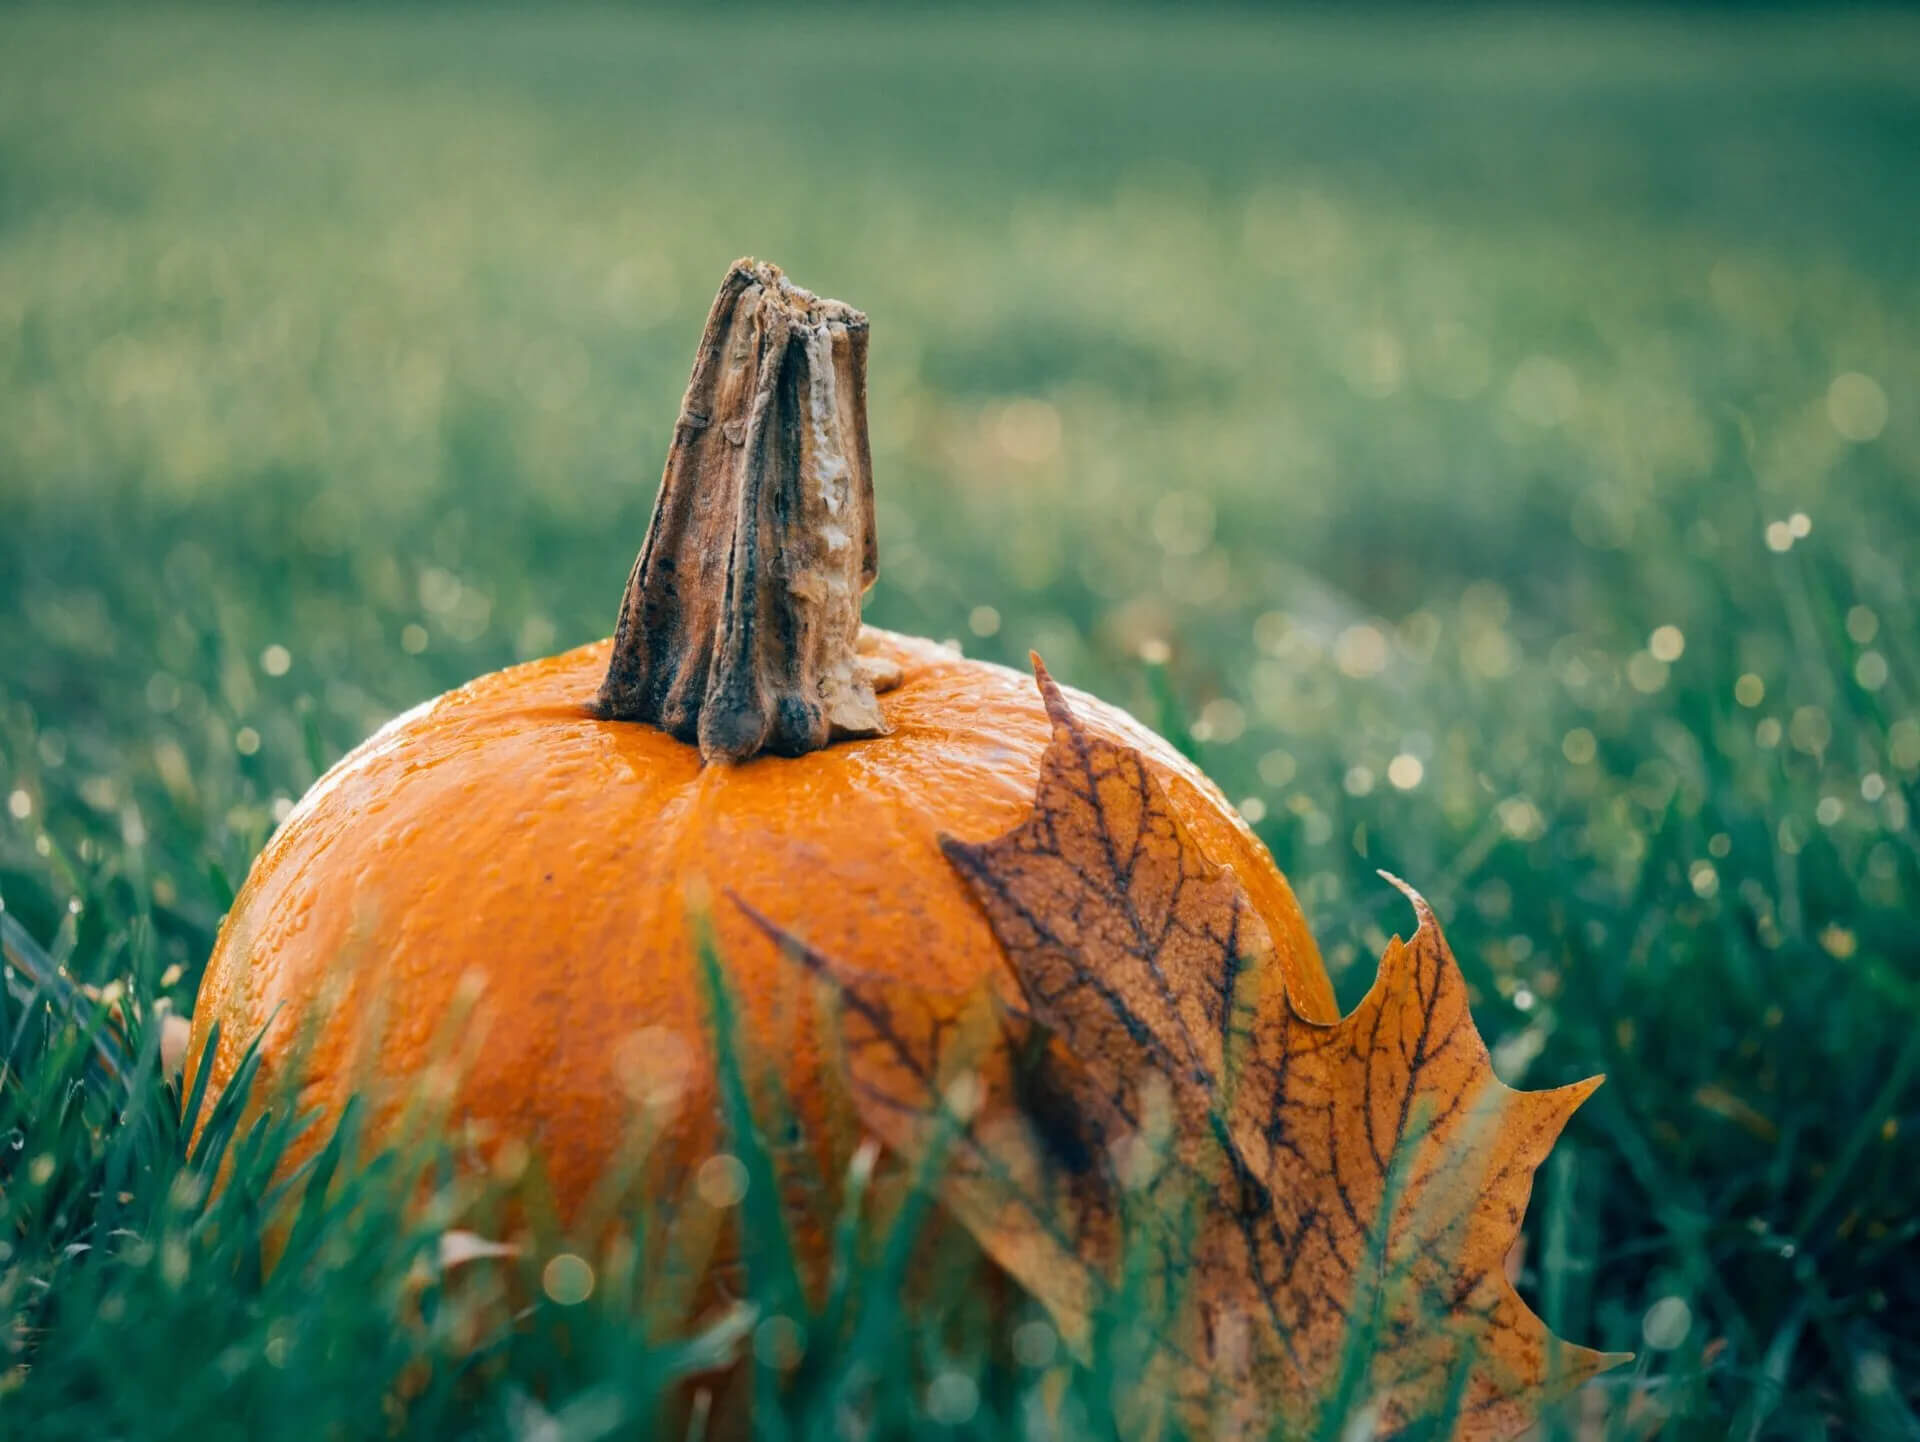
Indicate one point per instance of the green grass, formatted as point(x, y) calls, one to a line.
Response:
point(1402, 378)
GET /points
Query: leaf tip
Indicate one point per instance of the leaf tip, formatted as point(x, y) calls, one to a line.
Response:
point(1542, 1115)
point(964, 856)
point(1423, 913)
point(1050, 693)
point(1568, 1099)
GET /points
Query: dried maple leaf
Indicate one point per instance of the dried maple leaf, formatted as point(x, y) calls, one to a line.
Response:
point(1302, 1225)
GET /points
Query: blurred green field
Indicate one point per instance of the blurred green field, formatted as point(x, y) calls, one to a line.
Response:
point(1491, 442)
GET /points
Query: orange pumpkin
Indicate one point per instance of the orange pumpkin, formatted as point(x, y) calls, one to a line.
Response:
point(516, 862)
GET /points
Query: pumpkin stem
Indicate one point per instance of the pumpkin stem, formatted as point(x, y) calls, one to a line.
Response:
point(740, 630)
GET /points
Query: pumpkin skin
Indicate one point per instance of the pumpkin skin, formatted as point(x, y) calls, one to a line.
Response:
point(504, 858)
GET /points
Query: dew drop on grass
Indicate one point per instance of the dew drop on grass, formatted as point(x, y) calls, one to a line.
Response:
point(721, 1181)
point(1034, 1343)
point(1277, 768)
point(567, 1279)
point(952, 1398)
point(1646, 672)
point(1873, 1374)
point(779, 1343)
point(1666, 1324)
point(1857, 406)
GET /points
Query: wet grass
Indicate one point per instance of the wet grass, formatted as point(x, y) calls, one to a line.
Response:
point(1497, 435)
